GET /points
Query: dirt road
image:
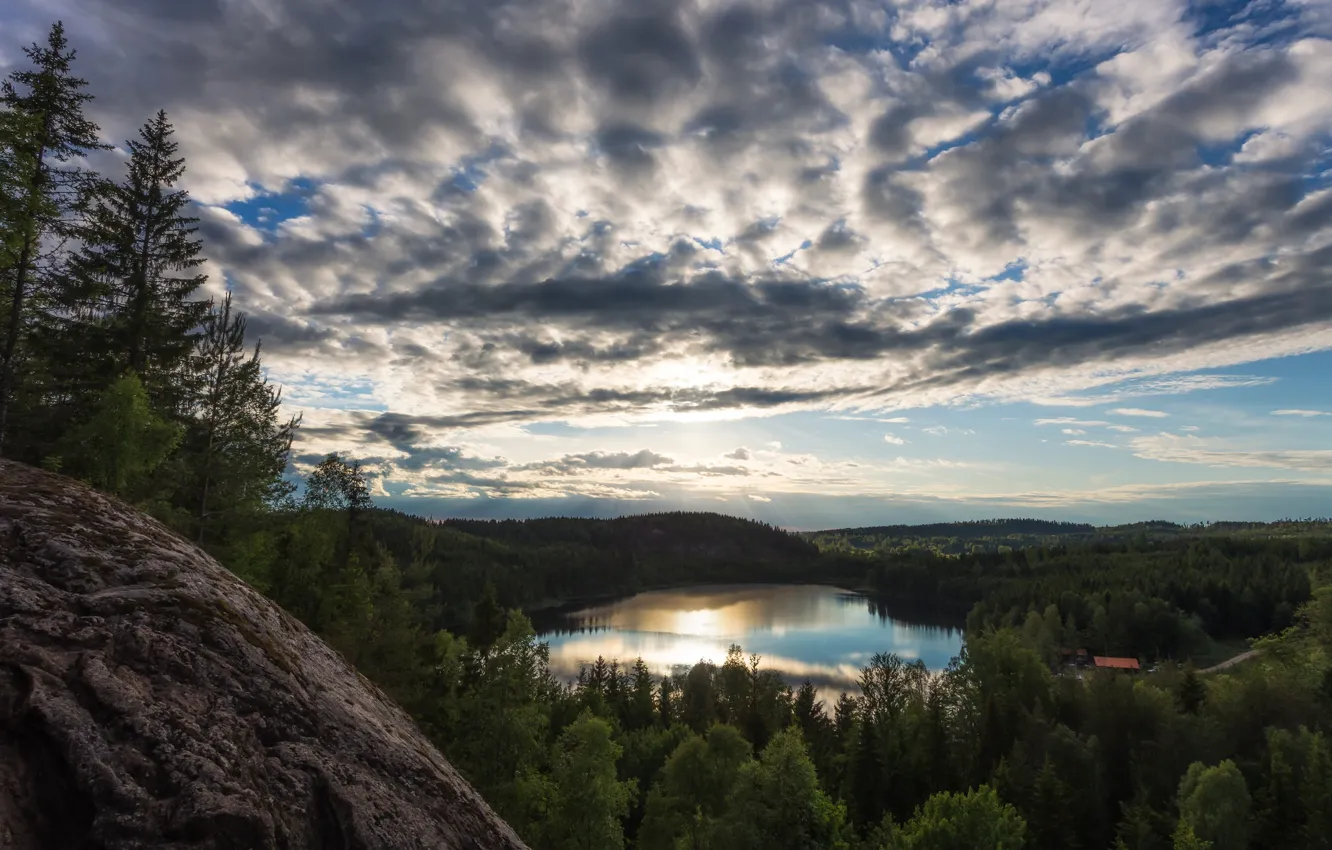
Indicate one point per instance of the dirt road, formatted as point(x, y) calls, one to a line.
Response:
point(1230, 662)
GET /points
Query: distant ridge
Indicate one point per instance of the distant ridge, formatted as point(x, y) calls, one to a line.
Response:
point(976, 528)
point(668, 534)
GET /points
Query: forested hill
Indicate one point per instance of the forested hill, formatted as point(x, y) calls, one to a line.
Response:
point(691, 534)
point(535, 563)
point(971, 530)
point(996, 535)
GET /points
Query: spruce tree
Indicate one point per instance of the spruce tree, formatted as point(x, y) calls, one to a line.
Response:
point(43, 109)
point(488, 620)
point(1191, 691)
point(17, 131)
point(138, 264)
point(239, 446)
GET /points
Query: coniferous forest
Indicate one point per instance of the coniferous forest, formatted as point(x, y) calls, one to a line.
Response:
point(119, 372)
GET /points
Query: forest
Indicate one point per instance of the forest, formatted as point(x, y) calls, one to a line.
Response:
point(116, 371)
point(1001, 535)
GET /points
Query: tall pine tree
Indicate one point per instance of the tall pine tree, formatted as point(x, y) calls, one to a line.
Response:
point(43, 106)
point(238, 445)
point(139, 266)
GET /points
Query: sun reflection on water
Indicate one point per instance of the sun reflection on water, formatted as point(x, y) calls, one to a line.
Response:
point(821, 634)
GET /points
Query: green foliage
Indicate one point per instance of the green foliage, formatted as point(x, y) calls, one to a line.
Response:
point(1316, 791)
point(237, 447)
point(1191, 692)
point(131, 282)
point(488, 620)
point(1153, 598)
point(337, 484)
point(18, 132)
point(498, 711)
point(966, 821)
point(688, 804)
point(777, 802)
point(44, 128)
point(1187, 839)
point(125, 440)
point(1214, 807)
point(586, 802)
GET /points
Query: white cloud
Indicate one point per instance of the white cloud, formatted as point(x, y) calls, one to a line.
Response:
point(1170, 448)
point(896, 441)
point(1307, 413)
point(1093, 443)
point(1123, 429)
point(1075, 432)
point(1138, 411)
point(1189, 428)
point(1064, 420)
point(759, 498)
point(1156, 386)
point(503, 220)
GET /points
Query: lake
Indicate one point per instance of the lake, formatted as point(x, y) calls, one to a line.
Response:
point(824, 634)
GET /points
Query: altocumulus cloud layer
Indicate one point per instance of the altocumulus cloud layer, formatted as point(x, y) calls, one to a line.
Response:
point(472, 215)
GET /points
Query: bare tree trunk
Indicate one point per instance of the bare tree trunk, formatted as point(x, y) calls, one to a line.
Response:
point(11, 341)
point(21, 281)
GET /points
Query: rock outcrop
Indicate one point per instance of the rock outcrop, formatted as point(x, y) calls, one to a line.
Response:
point(150, 699)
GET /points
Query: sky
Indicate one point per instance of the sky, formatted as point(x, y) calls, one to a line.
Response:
point(819, 263)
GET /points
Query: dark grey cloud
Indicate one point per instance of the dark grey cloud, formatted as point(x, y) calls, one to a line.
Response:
point(565, 192)
point(643, 459)
point(782, 323)
point(723, 313)
point(641, 57)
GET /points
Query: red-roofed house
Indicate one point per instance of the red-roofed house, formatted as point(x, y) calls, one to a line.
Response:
point(1110, 663)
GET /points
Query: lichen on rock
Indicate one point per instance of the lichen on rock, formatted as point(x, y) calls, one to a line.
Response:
point(150, 699)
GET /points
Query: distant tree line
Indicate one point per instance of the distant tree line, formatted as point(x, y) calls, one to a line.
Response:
point(1146, 598)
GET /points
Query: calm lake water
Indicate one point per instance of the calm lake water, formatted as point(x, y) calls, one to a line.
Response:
point(823, 634)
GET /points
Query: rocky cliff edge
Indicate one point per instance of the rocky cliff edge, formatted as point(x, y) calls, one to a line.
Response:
point(150, 699)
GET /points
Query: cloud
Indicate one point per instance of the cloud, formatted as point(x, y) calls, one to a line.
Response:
point(1171, 385)
point(1194, 450)
point(1092, 443)
point(896, 441)
point(485, 214)
point(1074, 431)
point(1306, 413)
point(759, 498)
point(1123, 429)
point(941, 430)
point(1065, 420)
point(1189, 428)
point(741, 453)
point(1138, 411)
point(644, 459)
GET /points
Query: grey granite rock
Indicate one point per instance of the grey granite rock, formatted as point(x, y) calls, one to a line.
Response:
point(150, 699)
